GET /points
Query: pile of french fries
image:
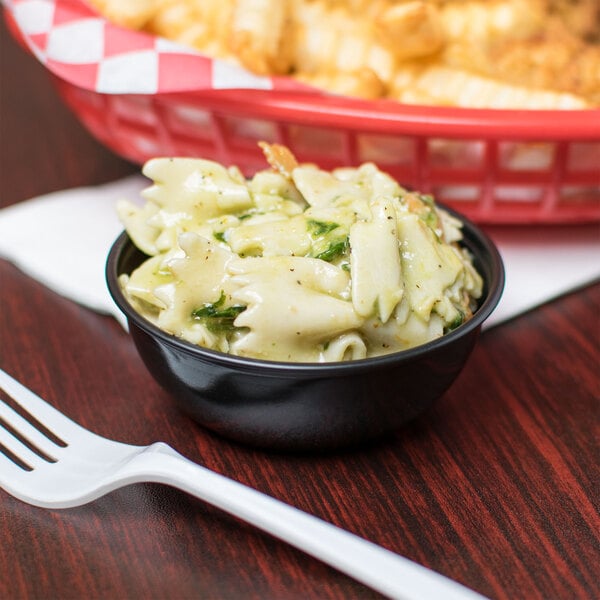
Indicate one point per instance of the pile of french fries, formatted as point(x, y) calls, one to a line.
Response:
point(532, 54)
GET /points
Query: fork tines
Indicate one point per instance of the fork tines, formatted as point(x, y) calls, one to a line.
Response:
point(24, 440)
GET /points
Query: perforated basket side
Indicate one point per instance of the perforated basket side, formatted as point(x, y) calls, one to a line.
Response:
point(489, 173)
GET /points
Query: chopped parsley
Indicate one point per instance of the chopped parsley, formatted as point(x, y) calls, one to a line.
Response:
point(335, 249)
point(324, 246)
point(317, 228)
point(216, 317)
point(458, 320)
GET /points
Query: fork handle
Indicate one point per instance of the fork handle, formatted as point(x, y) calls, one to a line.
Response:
point(376, 567)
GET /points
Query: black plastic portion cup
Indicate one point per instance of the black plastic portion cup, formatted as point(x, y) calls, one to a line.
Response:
point(306, 406)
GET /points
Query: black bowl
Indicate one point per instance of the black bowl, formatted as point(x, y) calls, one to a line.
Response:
point(306, 406)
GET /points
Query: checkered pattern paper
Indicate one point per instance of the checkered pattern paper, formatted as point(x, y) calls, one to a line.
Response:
point(78, 45)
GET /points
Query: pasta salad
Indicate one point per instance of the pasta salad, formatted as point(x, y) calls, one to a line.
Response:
point(297, 263)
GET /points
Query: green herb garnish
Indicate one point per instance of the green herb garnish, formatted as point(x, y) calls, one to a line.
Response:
point(458, 320)
point(334, 250)
point(216, 317)
point(317, 228)
point(324, 246)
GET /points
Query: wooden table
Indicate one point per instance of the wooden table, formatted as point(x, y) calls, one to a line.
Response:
point(495, 486)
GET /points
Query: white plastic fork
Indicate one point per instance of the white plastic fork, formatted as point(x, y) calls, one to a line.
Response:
point(36, 469)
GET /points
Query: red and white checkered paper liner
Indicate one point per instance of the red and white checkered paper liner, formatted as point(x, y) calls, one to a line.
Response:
point(83, 48)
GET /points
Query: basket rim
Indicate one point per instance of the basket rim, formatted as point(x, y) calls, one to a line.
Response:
point(391, 117)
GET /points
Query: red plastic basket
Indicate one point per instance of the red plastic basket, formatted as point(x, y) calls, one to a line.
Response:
point(493, 166)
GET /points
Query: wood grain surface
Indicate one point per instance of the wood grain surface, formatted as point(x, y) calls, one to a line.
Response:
point(496, 486)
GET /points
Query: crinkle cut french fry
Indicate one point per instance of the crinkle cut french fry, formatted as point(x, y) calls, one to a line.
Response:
point(196, 23)
point(411, 29)
point(523, 44)
point(488, 21)
point(331, 39)
point(472, 53)
point(133, 14)
point(361, 83)
point(258, 32)
point(582, 17)
point(446, 86)
point(546, 64)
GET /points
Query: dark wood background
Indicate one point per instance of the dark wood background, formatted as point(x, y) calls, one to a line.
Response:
point(496, 486)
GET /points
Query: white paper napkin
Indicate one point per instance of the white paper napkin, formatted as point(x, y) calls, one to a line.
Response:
point(542, 263)
point(62, 240)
